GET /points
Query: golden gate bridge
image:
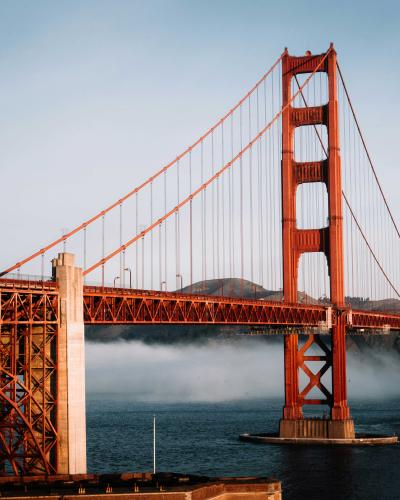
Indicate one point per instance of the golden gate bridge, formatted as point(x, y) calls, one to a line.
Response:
point(281, 192)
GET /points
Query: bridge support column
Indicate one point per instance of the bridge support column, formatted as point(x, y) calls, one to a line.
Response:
point(327, 240)
point(71, 413)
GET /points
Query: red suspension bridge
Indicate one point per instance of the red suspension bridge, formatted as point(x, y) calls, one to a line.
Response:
point(281, 192)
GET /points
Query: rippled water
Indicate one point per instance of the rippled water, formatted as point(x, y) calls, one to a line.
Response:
point(202, 438)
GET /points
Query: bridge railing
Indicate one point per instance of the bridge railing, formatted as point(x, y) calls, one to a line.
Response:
point(12, 280)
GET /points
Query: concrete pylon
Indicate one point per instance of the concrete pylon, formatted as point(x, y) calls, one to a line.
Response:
point(71, 410)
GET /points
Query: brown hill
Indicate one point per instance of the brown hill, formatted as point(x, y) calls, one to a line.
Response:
point(236, 287)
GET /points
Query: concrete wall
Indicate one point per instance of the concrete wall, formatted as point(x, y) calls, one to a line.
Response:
point(317, 428)
point(71, 416)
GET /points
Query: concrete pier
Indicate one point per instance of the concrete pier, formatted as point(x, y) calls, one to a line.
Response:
point(71, 410)
point(358, 440)
point(317, 428)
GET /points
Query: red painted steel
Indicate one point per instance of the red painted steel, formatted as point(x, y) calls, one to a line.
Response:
point(126, 306)
point(110, 306)
point(28, 378)
point(328, 240)
point(29, 323)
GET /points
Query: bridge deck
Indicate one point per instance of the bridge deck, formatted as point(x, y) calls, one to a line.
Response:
point(106, 306)
point(126, 306)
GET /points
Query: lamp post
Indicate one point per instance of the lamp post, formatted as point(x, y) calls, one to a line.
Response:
point(130, 275)
point(163, 283)
point(181, 278)
point(115, 279)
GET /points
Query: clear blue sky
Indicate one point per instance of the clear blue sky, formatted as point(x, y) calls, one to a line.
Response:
point(96, 95)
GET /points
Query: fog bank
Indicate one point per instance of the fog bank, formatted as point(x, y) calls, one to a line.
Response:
point(217, 371)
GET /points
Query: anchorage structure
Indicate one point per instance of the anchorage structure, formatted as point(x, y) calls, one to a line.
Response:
point(328, 240)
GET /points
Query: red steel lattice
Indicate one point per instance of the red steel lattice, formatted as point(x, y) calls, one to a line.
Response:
point(111, 305)
point(125, 306)
point(28, 379)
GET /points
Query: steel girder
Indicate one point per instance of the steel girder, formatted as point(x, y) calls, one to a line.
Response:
point(111, 306)
point(28, 378)
point(314, 378)
point(125, 306)
point(373, 320)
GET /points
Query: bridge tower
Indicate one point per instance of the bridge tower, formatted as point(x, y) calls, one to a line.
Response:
point(71, 411)
point(328, 240)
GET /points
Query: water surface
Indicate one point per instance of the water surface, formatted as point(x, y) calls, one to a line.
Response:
point(202, 438)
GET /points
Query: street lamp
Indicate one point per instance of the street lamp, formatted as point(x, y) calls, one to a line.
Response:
point(130, 275)
point(115, 279)
point(181, 278)
point(163, 283)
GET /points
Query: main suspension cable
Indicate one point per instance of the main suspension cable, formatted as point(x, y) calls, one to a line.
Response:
point(300, 91)
point(216, 175)
point(367, 151)
point(131, 193)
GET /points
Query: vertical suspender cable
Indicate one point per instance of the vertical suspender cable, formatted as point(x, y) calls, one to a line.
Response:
point(121, 267)
point(251, 198)
point(190, 224)
point(151, 239)
point(260, 204)
point(84, 247)
point(143, 263)
point(203, 274)
point(137, 244)
point(160, 273)
point(165, 236)
point(218, 227)
point(278, 181)
point(212, 207)
point(273, 195)
point(241, 200)
point(268, 173)
point(351, 219)
point(103, 249)
point(177, 232)
point(223, 203)
point(231, 214)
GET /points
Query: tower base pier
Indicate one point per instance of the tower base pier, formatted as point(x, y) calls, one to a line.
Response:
point(317, 428)
point(71, 410)
point(360, 440)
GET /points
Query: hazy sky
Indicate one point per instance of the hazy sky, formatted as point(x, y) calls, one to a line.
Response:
point(97, 95)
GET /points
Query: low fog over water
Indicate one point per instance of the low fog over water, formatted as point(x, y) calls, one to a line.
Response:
point(217, 371)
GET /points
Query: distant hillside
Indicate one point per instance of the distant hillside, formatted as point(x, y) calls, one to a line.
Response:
point(235, 287)
point(387, 305)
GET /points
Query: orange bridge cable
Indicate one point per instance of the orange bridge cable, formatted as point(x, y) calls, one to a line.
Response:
point(348, 203)
point(149, 180)
point(204, 186)
point(366, 151)
point(369, 246)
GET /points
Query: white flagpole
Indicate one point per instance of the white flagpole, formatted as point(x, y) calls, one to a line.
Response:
point(154, 444)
